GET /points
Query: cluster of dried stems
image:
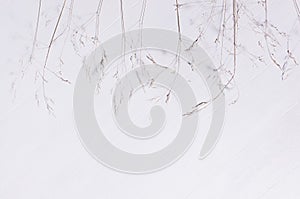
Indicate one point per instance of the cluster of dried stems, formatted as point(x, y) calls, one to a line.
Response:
point(223, 15)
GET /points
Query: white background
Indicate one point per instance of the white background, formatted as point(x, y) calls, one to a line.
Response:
point(258, 155)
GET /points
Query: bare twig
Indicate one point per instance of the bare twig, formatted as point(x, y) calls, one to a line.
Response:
point(178, 20)
point(141, 24)
point(222, 30)
point(235, 22)
point(142, 15)
point(204, 104)
point(58, 76)
point(68, 28)
point(271, 55)
point(46, 99)
point(36, 31)
point(123, 26)
point(177, 57)
point(297, 9)
point(206, 27)
point(97, 28)
point(235, 26)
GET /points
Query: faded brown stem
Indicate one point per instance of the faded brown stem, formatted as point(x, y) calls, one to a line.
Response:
point(297, 9)
point(271, 56)
point(122, 25)
point(47, 55)
point(97, 28)
point(36, 31)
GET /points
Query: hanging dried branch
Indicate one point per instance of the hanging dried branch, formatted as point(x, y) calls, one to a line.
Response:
point(266, 36)
point(178, 53)
point(204, 104)
point(142, 14)
point(235, 25)
point(226, 40)
point(67, 29)
point(296, 6)
point(97, 28)
point(141, 24)
point(36, 31)
point(221, 31)
point(46, 99)
point(210, 18)
point(123, 26)
point(235, 18)
point(178, 20)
